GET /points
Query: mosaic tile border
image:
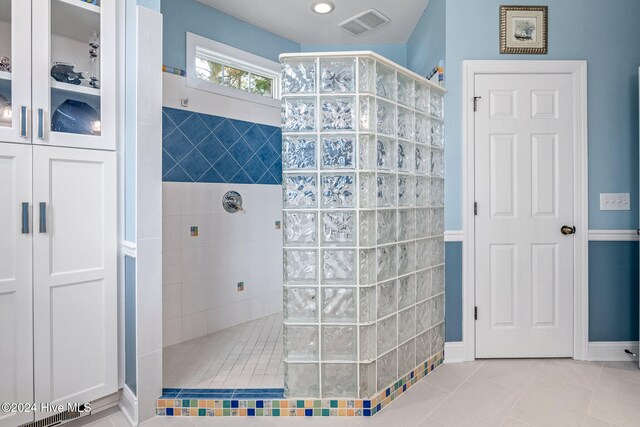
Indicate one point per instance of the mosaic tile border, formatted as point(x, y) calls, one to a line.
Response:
point(172, 407)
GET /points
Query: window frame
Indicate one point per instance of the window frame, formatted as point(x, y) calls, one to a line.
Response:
point(198, 46)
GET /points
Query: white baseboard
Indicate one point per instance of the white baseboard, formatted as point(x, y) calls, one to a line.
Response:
point(611, 351)
point(129, 406)
point(453, 352)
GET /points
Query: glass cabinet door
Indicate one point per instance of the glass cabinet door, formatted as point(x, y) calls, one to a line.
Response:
point(74, 73)
point(15, 70)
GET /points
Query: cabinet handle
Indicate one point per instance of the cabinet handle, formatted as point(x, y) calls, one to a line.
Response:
point(25, 218)
point(40, 123)
point(43, 217)
point(23, 121)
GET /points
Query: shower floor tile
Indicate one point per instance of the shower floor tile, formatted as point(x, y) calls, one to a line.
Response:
point(244, 356)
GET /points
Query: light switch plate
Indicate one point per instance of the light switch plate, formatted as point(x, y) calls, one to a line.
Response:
point(615, 201)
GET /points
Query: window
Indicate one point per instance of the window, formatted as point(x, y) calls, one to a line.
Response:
point(228, 71)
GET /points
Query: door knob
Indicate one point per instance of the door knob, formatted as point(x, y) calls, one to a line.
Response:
point(567, 230)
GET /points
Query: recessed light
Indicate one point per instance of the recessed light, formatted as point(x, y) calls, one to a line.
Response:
point(323, 7)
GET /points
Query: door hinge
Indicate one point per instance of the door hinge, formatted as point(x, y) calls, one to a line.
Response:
point(475, 103)
point(475, 313)
point(475, 208)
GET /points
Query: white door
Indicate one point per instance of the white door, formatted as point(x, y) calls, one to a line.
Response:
point(75, 324)
point(16, 327)
point(524, 142)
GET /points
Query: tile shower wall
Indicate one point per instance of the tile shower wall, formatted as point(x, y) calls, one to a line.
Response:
point(363, 220)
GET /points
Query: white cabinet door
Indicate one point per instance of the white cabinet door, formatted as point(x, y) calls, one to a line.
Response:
point(16, 328)
point(15, 85)
point(75, 319)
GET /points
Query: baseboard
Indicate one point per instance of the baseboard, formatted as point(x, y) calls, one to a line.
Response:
point(454, 352)
point(610, 351)
point(128, 405)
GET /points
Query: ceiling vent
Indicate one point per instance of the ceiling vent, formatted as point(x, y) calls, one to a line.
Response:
point(363, 22)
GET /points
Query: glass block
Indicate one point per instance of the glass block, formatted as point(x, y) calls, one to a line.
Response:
point(298, 75)
point(386, 118)
point(337, 191)
point(301, 379)
point(423, 223)
point(368, 304)
point(437, 104)
point(337, 75)
point(300, 191)
point(424, 288)
point(387, 298)
point(406, 190)
point(437, 133)
point(367, 271)
point(423, 254)
point(437, 309)
point(300, 266)
point(438, 250)
point(422, 97)
point(387, 369)
point(338, 305)
point(422, 191)
point(338, 152)
point(301, 343)
point(407, 324)
point(385, 158)
point(423, 316)
point(406, 358)
point(368, 342)
point(405, 156)
point(338, 266)
point(423, 160)
point(368, 153)
point(298, 114)
point(387, 334)
point(299, 152)
point(437, 279)
point(387, 221)
point(437, 163)
point(339, 343)
point(437, 339)
point(301, 305)
point(423, 347)
point(386, 190)
point(385, 81)
point(367, 380)
point(367, 75)
point(367, 230)
point(386, 263)
point(300, 229)
point(437, 192)
point(436, 221)
point(338, 113)
point(406, 258)
point(339, 379)
point(406, 224)
point(405, 90)
point(423, 129)
point(339, 228)
point(406, 127)
point(368, 191)
point(367, 114)
point(406, 292)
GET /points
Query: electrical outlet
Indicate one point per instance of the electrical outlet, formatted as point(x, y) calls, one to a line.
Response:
point(240, 286)
point(194, 231)
point(278, 225)
point(615, 201)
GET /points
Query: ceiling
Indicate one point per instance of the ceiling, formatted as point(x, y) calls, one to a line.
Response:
point(294, 20)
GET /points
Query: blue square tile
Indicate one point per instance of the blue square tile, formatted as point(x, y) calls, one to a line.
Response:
point(177, 116)
point(276, 171)
point(211, 121)
point(267, 154)
point(268, 131)
point(167, 162)
point(241, 125)
point(378, 407)
point(169, 412)
point(366, 412)
point(241, 178)
point(255, 137)
point(211, 148)
point(366, 404)
point(276, 141)
point(211, 175)
point(227, 167)
point(267, 179)
point(226, 134)
point(177, 145)
point(241, 151)
point(167, 125)
point(177, 174)
point(308, 412)
point(195, 164)
point(259, 403)
point(194, 129)
point(251, 412)
point(254, 168)
point(234, 403)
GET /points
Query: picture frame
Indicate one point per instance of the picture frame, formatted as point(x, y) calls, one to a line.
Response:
point(523, 29)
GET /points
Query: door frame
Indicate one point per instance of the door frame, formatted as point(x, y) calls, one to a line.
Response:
point(578, 72)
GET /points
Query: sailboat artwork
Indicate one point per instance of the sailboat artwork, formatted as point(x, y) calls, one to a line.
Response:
point(525, 29)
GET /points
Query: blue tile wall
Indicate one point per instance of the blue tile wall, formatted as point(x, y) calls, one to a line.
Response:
point(204, 148)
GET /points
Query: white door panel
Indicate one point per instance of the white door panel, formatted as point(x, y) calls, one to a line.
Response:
point(16, 327)
point(75, 282)
point(524, 190)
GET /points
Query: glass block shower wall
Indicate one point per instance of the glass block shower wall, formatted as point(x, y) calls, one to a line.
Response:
point(363, 223)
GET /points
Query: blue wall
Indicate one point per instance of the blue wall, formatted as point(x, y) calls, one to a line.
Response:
point(395, 52)
point(427, 45)
point(453, 292)
point(182, 16)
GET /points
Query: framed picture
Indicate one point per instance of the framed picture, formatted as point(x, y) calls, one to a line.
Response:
point(523, 29)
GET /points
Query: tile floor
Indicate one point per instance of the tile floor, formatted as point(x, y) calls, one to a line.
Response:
point(244, 356)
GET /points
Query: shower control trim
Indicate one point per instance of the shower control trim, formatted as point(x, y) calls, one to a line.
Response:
point(232, 201)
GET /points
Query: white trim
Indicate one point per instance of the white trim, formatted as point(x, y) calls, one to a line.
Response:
point(128, 405)
point(233, 57)
point(612, 351)
point(454, 236)
point(578, 69)
point(454, 352)
point(613, 236)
